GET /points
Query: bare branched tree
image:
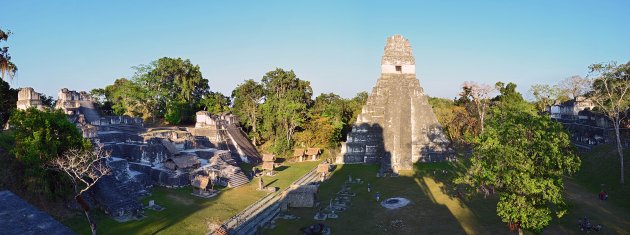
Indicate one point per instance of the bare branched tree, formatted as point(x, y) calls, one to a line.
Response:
point(611, 94)
point(546, 95)
point(575, 86)
point(85, 168)
point(480, 96)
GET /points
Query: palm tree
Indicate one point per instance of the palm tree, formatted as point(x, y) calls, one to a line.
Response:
point(6, 66)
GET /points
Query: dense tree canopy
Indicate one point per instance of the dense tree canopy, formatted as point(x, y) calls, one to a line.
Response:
point(287, 99)
point(247, 98)
point(522, 156)
point(8, 99)
point(215, 102)
point(279, 113)
point(545, 96)
point(40, 137)
point(170, 89)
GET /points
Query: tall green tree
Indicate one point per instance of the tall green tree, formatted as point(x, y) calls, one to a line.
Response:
point(6, 66)
point(319, 131)
point(169, 83)
point(169, 88)
point(99, 95)
point(479, 97)
point(8, 100)
point(574, 86)
point(287, 99)
point(40, 137)
point(458, 123)
point(215, 102)
point(511, 99)
point(523, 157)
point(611, 93)
point(546, 95)
point(247, 97)
point(128, 98)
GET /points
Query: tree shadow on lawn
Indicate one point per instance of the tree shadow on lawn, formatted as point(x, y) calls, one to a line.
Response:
point(280, 168)
point(430, 212)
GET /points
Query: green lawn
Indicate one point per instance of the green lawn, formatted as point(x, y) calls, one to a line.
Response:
point(601, 171)
point(437, 210)
point(432, 210)
point(187, 214)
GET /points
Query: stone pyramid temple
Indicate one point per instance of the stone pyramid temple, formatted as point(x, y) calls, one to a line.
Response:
point(397, 126)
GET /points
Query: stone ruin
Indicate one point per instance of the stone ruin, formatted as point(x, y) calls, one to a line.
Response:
point(222, 170)
point(397, 126)
point(142, 158)
point(222, 130)
point(73, 102)
point(27, 98)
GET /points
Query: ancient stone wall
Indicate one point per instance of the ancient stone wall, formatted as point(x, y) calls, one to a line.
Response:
point(27, 98)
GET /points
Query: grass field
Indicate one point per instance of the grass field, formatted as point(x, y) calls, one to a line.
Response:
point(432, 210)
point(435, 210)
point(187, 214)
point(601, 170)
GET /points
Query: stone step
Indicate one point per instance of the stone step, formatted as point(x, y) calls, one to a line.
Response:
point(238, 179)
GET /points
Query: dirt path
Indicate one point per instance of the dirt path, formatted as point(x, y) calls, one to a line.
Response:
point(585, 203)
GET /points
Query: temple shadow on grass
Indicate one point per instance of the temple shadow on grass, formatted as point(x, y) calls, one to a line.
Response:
point(432, 210)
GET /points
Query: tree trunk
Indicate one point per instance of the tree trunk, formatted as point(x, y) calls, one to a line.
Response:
point(520, 231)
point(617, 123)
point(86, 210)
point(254, 127)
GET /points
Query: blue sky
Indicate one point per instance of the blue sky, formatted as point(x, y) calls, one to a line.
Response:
point(337, 45)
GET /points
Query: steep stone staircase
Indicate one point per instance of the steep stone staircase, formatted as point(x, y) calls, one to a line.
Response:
point(242, 142)
point(238, 179)
point(88, 111)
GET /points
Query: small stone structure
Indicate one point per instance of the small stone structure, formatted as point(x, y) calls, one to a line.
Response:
point(182, 162)
point(27, 98)
point(323, 169)
point(569, 110)
point(200, 184)
point(269, 163)
point(313, 153)
point(397, 126)
point(298, 154)
point(300, 196)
